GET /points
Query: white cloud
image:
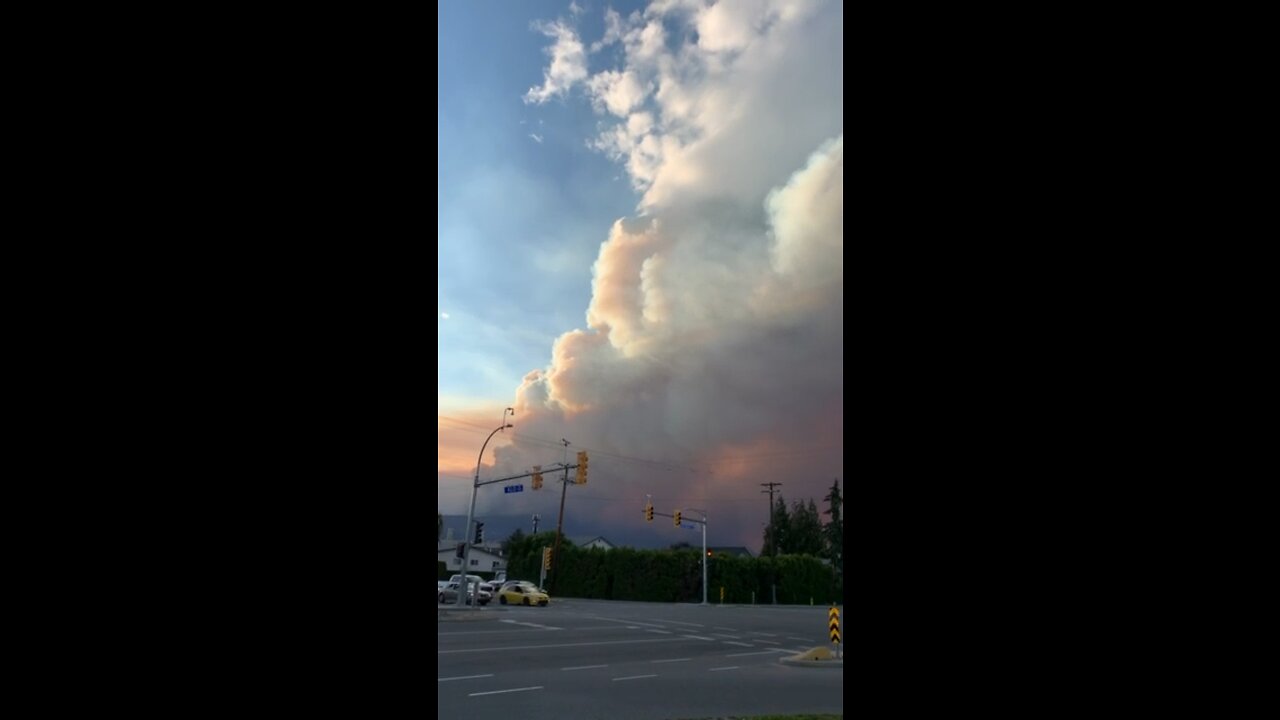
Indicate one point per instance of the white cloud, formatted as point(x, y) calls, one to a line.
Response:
point(575, 8)
point(613, 30)
point(730, 24)
point(618, 92)
point(568, 63)
point(536, 137)
point(715, 325)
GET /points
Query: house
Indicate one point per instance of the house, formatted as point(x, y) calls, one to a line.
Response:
point(586, 541)
point(483, 558)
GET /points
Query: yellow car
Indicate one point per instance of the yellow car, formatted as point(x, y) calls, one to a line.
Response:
point(523, 593)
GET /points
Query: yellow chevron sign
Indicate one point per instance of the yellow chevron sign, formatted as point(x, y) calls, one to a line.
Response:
point(833, 621)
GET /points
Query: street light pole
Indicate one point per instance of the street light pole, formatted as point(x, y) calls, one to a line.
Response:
point(704, 553)
point(464, 588)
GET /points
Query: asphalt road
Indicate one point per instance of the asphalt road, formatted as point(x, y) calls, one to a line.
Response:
point(624, 660)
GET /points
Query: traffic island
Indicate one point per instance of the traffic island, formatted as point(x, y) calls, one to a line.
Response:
point(817, 657)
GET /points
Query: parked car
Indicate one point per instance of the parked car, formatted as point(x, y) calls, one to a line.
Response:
point(449, 594)
point(523, 593)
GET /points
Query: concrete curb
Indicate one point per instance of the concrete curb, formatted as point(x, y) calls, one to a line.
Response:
point(819, 657)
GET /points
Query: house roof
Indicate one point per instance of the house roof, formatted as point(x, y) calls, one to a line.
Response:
point(584, 540)
point(451, 546)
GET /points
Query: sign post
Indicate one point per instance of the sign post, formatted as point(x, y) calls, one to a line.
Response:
point(833, 624)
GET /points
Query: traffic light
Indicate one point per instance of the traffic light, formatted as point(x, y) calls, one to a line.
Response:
point(648, 512)
point(479, 532)
point(546, 558)
point(537, 477)
point(708, 553)
point(581, 478)
point(676, 519)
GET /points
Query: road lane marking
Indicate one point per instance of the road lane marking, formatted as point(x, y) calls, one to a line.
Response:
point(633, 677)
point(724, 635)
point(556, 645)
point(624, 622)
point(731, 642)
point(674, 660)
point(584, 667)
point(677, 622)
point(762, 652)
point(731, 667)
point(593, 627)
point(789, 637)
point(781, 650)
point(533, 625)
point(717, 627)
point(463, 677)
point(499, 692)
point(660, 632)
point(771, 642)
point(698, 637)
point(767, 634)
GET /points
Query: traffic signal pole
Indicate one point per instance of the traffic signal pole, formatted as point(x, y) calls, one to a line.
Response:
point(677, 519)
point(580, 466)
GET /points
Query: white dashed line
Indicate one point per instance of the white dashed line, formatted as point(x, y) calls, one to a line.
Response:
point(634, 677)
point(673, 660)
point(763, 652)
point(771, 642)
point(625, 622)
point(556, 645)
point(660, 632)
point(463, 677)
point(724, 635)
point(717, 627)
point(698, 637)
point(532, 625)
point(499, 692)
point(767, 634)
point(781, 650)
point(731, 667)
point(677, 622)
point(584, 667)
point(731, 642)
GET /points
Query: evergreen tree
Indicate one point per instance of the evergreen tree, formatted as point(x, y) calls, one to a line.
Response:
point(834, 530)
point(805, 536)
point(515, 538)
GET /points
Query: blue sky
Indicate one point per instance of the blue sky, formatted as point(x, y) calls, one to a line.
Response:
point(521, 221)
point(641, 251)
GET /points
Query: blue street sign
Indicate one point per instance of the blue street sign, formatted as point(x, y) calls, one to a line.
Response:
point(687, 526)
point(513, 488)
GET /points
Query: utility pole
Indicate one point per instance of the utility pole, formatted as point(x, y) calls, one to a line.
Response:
point(773, 539)
point(564, 485)
point(535, 524)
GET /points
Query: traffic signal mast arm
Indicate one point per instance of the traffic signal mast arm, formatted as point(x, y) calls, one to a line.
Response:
point(531, 473)
point(682, 519)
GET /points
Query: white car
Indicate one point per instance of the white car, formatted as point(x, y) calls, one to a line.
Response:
point(450, 595)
